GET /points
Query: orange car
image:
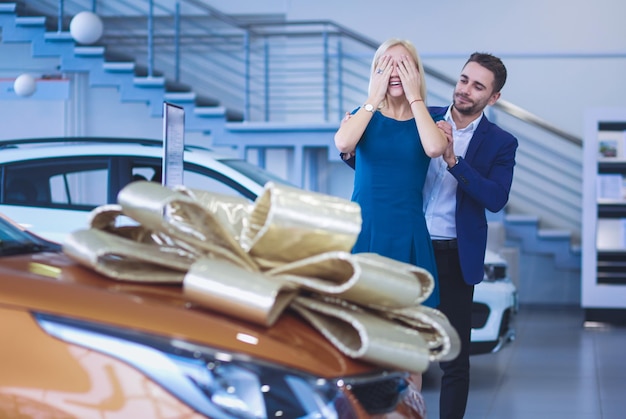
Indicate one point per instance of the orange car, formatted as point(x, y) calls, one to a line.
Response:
point(76, 344)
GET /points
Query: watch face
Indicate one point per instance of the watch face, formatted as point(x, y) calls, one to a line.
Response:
point(369, 107)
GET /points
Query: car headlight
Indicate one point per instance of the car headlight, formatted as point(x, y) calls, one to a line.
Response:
point(215, 383)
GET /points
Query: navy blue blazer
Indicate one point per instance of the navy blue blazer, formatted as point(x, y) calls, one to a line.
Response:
point(484, 180)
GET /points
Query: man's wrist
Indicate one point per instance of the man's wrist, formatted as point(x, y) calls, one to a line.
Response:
point(454, 162)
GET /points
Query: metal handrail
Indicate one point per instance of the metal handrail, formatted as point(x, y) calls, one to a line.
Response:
point(533, 119)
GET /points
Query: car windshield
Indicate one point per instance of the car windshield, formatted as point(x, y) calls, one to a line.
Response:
point(253, 172)
point(14, 241)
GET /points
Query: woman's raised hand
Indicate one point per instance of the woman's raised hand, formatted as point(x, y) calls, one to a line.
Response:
point(380, 78)
point(410, 78)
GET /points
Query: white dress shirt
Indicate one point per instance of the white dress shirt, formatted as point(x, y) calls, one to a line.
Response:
point(439, 191)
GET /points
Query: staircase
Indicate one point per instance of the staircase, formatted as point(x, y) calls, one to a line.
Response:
point(551, 268)
point(152, 90)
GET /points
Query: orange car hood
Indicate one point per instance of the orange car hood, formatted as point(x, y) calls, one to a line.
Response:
point(52, 283)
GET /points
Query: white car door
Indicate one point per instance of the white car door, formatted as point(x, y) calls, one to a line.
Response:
point(52, 197)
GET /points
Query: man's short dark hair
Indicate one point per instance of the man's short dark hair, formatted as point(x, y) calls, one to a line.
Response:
point(493, 64)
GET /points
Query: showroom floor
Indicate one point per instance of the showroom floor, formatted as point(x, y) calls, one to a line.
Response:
point(555, 369)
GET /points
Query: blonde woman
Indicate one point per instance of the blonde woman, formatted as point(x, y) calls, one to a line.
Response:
point(393, 137)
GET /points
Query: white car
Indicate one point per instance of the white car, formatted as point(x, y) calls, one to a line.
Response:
point(49, 185)
point(494, 307)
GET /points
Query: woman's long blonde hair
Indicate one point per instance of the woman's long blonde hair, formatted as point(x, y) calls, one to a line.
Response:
point(392, 42)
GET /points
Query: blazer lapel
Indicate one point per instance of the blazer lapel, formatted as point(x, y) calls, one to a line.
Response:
point(477, 138)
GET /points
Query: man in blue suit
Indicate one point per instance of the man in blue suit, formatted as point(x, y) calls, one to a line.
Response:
point(473, 175)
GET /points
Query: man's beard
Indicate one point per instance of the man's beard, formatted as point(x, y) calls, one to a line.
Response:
point(467, 108)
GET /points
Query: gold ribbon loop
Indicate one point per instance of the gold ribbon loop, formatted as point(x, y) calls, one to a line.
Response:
point(443, 341)
point(287, 224)
point(422, 282)
point(358, 278)
point(104, 217)
point(232, 290)
point(127, 260)
point(363, 335)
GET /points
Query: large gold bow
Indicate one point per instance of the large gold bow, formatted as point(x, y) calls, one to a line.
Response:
point(290, 248)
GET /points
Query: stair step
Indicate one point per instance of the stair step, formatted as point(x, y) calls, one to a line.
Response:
point(272, 127)
point(209, 110)
point(554, 234)
point(58, 36)
point(522, 219)
point(89, 51)
point(173, 86)
point(180, 96)
point(149, 81)
point(7, 7)
point(30, 21)
point(119, 66)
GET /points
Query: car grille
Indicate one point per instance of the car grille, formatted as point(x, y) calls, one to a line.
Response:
point(379, 396)
point(495, 272)
point(480, 314)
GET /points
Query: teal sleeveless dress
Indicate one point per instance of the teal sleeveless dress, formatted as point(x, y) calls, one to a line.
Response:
point(389, 176)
